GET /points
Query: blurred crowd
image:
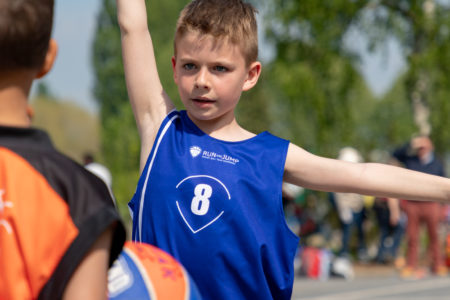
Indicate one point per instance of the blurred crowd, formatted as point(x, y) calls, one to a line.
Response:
point(339, 230)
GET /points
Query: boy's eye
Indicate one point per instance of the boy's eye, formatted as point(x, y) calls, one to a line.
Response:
point(220, 68)
point(188, 66)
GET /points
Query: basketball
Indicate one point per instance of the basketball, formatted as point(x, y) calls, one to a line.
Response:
point(143, 271)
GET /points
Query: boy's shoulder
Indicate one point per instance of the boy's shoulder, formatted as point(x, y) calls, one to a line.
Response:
point(34, 148)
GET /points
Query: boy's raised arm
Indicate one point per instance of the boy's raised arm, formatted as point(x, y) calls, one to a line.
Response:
point(149, 101)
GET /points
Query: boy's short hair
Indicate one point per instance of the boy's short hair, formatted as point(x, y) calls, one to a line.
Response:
point(25, 31)
point(233, 20)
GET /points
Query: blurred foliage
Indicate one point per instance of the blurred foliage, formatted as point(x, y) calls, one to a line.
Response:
point(322, 101)
point(422, 27)
point(309, 40)
point(119, 137)
point(72, 129)
point(390, 122)
point(44, 91)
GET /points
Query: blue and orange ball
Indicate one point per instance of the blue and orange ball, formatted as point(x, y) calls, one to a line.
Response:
point(143, 271)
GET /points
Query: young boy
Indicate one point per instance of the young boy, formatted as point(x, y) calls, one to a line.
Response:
point(210, 191)
point(59, 230)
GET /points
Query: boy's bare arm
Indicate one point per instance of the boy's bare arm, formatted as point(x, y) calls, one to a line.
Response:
point(149, 101)
point(325, 174)
point(90, 278)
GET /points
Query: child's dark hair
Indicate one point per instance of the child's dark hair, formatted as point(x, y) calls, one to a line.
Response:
point(228, 19)
point(25, 31)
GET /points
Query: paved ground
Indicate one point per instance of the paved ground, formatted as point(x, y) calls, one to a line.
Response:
point(372, 282)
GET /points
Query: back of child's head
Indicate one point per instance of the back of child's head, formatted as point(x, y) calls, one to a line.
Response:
point(25, 31)
point(231, 20)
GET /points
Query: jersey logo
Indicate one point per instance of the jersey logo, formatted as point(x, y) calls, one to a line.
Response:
point(202, 200)
point(195, 151)
point(212, 155)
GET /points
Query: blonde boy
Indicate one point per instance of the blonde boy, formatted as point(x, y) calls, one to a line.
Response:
point(210, 191)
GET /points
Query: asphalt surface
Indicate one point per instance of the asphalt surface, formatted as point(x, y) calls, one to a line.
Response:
point(372, 282)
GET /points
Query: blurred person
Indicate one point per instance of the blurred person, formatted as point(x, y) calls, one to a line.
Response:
point(391, 222)
point(418, 155)
point(291, 209)
point(59, 230)
point(351, 212)
point(97, 168)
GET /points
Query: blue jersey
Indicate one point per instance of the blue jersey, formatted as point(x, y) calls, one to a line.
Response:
point(216, 207)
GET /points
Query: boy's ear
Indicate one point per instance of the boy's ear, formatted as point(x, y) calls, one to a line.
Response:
point(174, 62)
point(49, 58)
point(253, 75)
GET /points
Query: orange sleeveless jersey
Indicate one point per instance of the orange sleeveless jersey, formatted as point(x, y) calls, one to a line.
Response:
point(51, 212)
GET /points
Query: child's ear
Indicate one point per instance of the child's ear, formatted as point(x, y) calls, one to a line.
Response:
point(252, 76)
point(50, 57)
point(174, 63)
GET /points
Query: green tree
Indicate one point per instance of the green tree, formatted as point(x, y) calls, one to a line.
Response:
point(44, 92)
point(309, 36)
point(422, 28)
point(120, 140)
point(391, 120)
point(322, 100)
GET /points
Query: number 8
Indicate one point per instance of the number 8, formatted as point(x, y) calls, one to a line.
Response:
point(200, 202)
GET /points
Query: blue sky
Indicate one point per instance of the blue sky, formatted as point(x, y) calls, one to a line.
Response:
point(72, 76)
point(381, 68)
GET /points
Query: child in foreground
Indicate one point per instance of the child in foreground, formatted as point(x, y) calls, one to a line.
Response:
point(59, 229)
point(210, 191)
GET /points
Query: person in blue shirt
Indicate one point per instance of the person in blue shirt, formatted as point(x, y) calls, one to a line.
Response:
point(210, 190)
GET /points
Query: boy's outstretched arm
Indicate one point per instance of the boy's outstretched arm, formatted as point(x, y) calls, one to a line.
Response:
point(149, 101)
point(324, 174)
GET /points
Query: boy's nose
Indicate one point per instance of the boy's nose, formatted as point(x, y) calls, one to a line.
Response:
point(201, 80)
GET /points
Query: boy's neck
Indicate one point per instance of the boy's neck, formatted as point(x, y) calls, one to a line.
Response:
point(14, 90)
point(225, 129)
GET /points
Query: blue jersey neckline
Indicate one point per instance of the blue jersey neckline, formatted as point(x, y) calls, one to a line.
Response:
point(196, 129)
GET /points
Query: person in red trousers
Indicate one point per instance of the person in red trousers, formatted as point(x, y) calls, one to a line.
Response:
point(418, 154)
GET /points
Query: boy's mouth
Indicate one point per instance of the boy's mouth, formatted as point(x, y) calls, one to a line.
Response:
point(202, 100)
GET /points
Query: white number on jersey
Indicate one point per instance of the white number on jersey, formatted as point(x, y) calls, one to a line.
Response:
point(200, 202)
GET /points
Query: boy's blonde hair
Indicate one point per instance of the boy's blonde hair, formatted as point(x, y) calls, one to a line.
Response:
point(25, 31)
point(232, 20)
